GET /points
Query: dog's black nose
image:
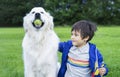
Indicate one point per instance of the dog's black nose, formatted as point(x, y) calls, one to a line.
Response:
point(37, 16)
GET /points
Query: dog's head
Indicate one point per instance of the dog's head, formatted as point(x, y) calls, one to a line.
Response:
point(44, 19)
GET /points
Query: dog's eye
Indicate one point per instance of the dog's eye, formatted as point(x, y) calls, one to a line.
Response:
point(33, 12)
point(42, 12)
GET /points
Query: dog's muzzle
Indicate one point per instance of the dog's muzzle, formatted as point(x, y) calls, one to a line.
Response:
point(38, 23)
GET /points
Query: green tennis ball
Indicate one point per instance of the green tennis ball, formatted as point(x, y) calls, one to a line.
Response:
point(38, 22)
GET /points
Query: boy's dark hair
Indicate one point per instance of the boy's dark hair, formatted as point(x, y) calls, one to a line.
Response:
point(86, 28)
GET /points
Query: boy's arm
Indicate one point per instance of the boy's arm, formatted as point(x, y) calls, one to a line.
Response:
point(61, 46)
point(64, 45)
point(102, 71)
point(101, 63)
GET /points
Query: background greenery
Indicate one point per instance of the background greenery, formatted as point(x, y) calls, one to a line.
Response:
point(11, 63)
point(63, 11)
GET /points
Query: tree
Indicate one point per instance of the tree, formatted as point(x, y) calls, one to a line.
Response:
point(63, 11)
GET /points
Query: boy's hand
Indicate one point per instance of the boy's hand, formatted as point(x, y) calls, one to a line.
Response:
point(102, 71)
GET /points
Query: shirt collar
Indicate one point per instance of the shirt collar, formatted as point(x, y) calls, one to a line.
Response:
point(84, 48)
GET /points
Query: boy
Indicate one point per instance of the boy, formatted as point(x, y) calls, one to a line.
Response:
point(79, 57)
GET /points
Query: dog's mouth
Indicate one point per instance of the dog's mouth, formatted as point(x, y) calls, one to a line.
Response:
point(37, 23)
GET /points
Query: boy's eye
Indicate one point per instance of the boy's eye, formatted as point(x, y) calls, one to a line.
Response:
point(76, 35)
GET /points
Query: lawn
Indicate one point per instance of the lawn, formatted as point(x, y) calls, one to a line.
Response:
point(107, 40)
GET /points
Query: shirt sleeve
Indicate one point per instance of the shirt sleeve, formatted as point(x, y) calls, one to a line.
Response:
point(101, 62)
point(61, 46)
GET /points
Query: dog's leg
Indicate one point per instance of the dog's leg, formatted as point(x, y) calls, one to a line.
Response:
point(29, 67)
point(52, 72)
point(51, 69)
point(47, 71)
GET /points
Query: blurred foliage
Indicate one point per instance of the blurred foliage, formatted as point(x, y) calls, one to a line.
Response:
point(65, 12)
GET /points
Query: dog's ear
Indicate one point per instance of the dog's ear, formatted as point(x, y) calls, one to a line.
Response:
point(51, 21)
point(24, 24)
point(25, 29)
point(52, 24)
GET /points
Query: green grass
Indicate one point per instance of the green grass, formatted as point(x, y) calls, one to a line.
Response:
point(107, 40)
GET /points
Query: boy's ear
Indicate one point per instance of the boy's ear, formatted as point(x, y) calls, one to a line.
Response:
point(86, 38)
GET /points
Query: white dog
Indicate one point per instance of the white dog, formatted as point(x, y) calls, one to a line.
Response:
point(40, 44)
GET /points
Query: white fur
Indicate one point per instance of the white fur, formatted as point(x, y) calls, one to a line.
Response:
point(39, 46)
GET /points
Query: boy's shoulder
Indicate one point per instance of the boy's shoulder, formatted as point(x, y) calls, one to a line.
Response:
point(67, 42)
point(91, 44)
point(70, 43)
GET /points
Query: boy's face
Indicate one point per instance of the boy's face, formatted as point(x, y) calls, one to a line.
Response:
point(77, 39)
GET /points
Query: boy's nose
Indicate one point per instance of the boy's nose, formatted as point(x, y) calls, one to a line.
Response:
point(72, 37)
